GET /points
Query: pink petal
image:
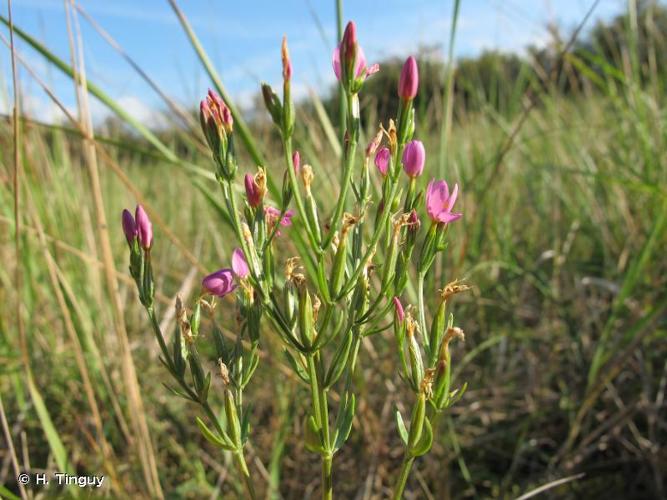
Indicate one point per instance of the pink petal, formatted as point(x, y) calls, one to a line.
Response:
point(336, 62)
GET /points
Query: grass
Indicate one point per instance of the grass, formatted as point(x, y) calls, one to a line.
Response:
point(565, 332)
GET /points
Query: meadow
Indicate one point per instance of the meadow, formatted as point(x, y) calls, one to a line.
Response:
point(562, 169)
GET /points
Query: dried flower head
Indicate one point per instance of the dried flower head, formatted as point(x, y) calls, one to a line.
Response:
point(307, 177)
point(452, 289)
point(291, 268)
point(224, 371)
point(426, 386)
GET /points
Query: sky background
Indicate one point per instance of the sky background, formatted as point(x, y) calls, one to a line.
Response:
point(243, 39)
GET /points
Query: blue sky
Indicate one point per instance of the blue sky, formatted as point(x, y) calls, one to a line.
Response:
point(243, 40)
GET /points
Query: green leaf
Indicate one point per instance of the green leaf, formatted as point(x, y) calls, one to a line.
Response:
point(298, 369)
point(177, 392)
point(338, 362)
point(425, 441)
point(402, 430)
point(212, 438)
point(345, 424)
point(52, 436)
point(8, 494)
point(312, 438)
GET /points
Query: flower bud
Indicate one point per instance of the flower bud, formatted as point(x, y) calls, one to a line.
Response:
point(129, 227)
point(398, 307)
point(216, 103)
point(296, 161)
point(287, 64)
point(408, 83)
point(255, 187)
point(348, 46)
point(239, 264)
point(144, 228)
point(382, 160)
point(414, 157)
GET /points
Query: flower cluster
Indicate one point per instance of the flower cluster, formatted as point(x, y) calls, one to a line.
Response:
point(355, 269)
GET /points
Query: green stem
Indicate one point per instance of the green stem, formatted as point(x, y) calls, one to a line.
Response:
point(245, 473)
point(327, 477)
point(371, 246)
point(403, 477)
point(422, 314)
point(287, 147)
point(321, 414)
point(349, 153)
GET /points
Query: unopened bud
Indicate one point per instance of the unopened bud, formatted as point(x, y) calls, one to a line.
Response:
point(287, 64)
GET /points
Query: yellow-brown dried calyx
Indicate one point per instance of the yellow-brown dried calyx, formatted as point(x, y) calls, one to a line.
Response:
point(392, 136)
point(452, 289)
point(260, 182)
point(291, 268)
point(349, 221)
point(307, 176)
point(426, 386)
point(182, 320)
point(224, 371)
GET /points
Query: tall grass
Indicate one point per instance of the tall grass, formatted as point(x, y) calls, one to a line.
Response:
point(565, 352)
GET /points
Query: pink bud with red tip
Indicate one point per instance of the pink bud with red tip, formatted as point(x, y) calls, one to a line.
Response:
point(252, 191)
point(398, 309)
point(239, 264)
point(382, 160)
point(414, 157)
point(129, 227)
point(296, 160)
point(144, 228)
point(408, 84)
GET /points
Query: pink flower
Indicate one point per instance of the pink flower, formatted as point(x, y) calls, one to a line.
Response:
point(439, 203)
point(382, 160)
point(272, 214)
point(129, 227)
point(409, 81)
point(219, 283)
point(144, 228)
point(239, 264)
point(414, 157)
point(350, 48)
point(252, 191)
point(398, 309)
point(296, 160)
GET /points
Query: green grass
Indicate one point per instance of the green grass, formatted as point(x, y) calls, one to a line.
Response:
point(564, 357)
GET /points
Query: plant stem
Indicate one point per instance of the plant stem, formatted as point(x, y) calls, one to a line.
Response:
point(422, 315)
point(321, 414)
point(245, 473)
point(327, 477)
point(403, 477)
